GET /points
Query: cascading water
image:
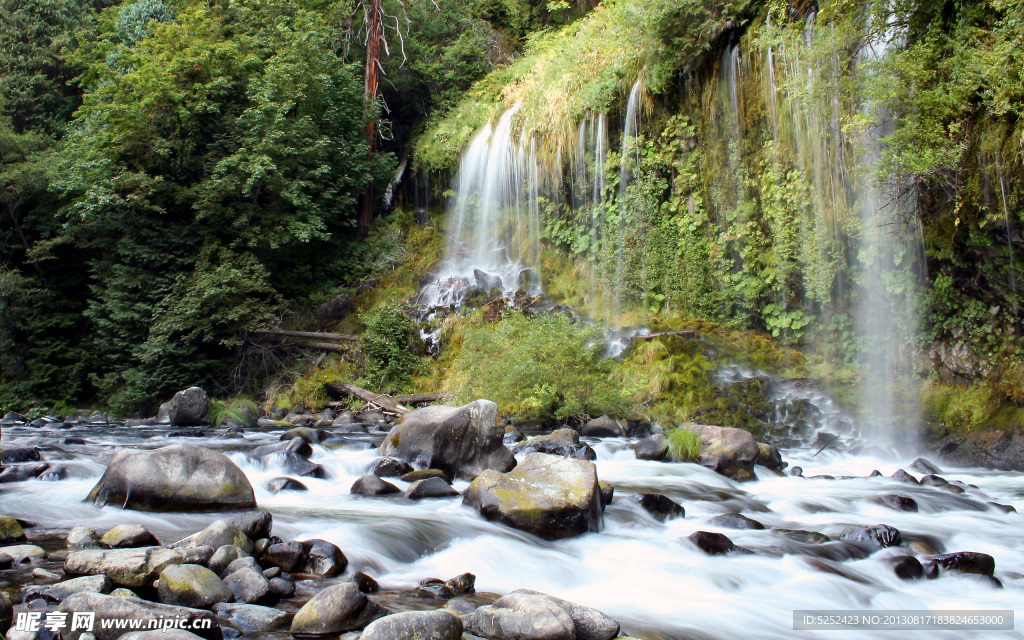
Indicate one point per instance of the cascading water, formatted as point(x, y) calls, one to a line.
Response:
point(629, 164)
point(495, 233)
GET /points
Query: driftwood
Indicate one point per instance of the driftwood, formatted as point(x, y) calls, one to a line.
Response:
point(313, 335)
point(345, 389)
point(651, 336)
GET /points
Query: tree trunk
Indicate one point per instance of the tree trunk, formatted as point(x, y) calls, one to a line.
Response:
point(374, 33)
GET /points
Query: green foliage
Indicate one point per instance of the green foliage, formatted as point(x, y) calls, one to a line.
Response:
point(387, 343)
point(538, 369)
point(684, 445)
point(241, 410)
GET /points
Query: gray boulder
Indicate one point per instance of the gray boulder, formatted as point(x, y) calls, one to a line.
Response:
point(728, 451)
point(434, 487)
point(335, 610)
point(221, 533)
point(188, 408)
point(126, 536)
point(561, 442)
point(653, 448)
point(223, 557)
point(248, 586)
point(521, 616)
point(86, 584)
point(132, 568)
point(174, 478)
point(323, 558)
point(373, 485)
point(129, 608)
point(768, 456)
point(590, 623)
point(461, 441)
point(605, 426)
point(191, 585)
point(82, 537)
point(549, 496)
point(415, 625)
point(251, 618)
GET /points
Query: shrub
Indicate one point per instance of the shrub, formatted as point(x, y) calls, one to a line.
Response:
point(388, 346)
point(240, 409)
point(538, 369)
point(683, 445)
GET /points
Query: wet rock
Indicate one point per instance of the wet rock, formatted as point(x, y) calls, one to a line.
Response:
point(878, 536)
point(925, 466)
point(298, 446)
point(521, 616)
point(1005, 508)
point(462, 584)
point(126, 536)
point(415, 625)
point(187, 433)
point(271, 423)
point(289, 556)
point(132, 568)
point(549, 496)
point(191, 585)
point(197, 555)
point(607, 493)
point(461, 441)
point(712, 543)
point(462, 606)
point(433, 487)
point(188, 407)
point(373, 485)
point(161, 634)
point(247, 585)
point(365, 583)
point(423, 474)
point(255, 524)
point(728, 451)
point(486, 281)
point(323, 558)
point(434, 588)
point(800, 535)
point(220, 533)
point(20, 553)
point(22, 472)
point(963, 562)
point(247, 562)
point(86, 584)
point(653, 448)
point(19, 454)
point(932, 480)
point(10, 530)
point(295, 464)
point(301, 419)
point(898, 502)
point(561, 442)
point(174, 478)
point(128, 608)
point(590, 623)
point(11, 419)
point(223, 557)
point(903, 476)
point(335, 610)
point(796, 472)
point(661, 507)
point(768, 456)
point(282, 587)
point(605, 426)
point(391, 468)
point(310, 435)
point(278, 485)
point(251, 618)
point(735, 521)
point(906, 567)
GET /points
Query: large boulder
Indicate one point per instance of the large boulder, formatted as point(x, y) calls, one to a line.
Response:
point(174, 478)
point(190, 585)
point(132, 568)
point(188, 408)
point(10, 530)
point(549, 496)
point(415, 625)
point(605, 426)
point(521, 616)
point(728, 451)
point(461, 441)
point(590, 623)
point(334, 611)
point(118, 608)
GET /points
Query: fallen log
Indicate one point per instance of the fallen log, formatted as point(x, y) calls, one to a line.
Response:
point(313, 335)
point(323, 346)
point(421, 397)
point(345, 389)
point(651, 336)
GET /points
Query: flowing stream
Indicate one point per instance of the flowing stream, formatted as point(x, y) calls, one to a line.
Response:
point(644, 573)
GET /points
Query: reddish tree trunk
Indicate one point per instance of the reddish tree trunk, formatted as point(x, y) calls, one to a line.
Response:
point(374, 33)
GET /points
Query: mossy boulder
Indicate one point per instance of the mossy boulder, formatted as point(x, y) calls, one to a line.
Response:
point(132, 568)
point(191, 585)
point(10, 530)
point(549, 496)
point(173, 478)
point(334, 611)
point(462, 441)
point(728, 451)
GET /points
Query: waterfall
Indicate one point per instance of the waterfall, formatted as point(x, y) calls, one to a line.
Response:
point(495, 220)
point(629, 163)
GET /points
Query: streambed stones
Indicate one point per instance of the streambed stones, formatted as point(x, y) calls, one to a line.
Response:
point(335, 610)
point(415, 625)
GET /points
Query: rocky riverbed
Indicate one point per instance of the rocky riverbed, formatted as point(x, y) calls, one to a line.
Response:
point(664, 549)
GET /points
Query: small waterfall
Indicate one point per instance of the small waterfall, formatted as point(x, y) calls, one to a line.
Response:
point(495, 230)
point(1009, 236)
point(629, 164)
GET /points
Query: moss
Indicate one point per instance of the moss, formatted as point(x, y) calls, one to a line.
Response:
point(684, 445)
point(975, 407)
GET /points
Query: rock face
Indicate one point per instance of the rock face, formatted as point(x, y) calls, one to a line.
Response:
point(549, 496)
point(728, 451)
point(188, 408)
point(132, 568)
point(129, 608)
point(190, 585)
point(461, 441)
point(415, 625)
point(174, 478)
point(335, 610)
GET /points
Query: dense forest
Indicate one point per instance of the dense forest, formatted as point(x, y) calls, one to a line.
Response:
point(177, 174)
